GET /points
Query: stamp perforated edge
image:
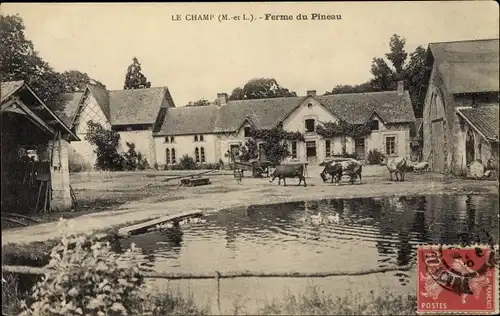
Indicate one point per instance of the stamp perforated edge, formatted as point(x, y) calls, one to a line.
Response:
point(496, 280)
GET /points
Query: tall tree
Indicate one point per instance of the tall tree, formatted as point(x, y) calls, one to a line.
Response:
point(261, 88)
point(134, 79)
point(20, 61)
point(398, 67)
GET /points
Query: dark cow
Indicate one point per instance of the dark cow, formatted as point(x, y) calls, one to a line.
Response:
point(334, 170)
point(397, 165)
point(352, 168)
point(289, 171)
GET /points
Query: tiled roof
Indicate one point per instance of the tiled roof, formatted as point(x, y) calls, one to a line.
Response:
point(139, 106)
point(122, 107)
point(266, 113)
point(9, 87)
point(484, 119)
point(358, 107)
point(468, 66)
point(189, 120)
point(70, 105)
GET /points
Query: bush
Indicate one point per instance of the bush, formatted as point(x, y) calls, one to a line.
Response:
point(375, 157)
point(221, 164)
point(88, 279)
point(187, 163)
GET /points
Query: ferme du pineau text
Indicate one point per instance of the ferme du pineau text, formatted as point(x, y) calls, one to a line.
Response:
point(250, 17)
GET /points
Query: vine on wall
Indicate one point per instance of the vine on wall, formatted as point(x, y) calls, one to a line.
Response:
point(342, 128)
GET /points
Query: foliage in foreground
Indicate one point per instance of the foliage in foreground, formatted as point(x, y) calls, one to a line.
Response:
point(88, 278)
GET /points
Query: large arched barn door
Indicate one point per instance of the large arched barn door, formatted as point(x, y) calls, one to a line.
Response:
point(437, 134)
point(469, 147)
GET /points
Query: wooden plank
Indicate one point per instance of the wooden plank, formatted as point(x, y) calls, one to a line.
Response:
point(143, 227)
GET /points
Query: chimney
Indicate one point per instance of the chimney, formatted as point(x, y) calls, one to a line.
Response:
point(401, 87)
point(222, 98)
point(311, 92)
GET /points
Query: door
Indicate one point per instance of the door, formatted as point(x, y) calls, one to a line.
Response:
point(235, 149)
point(437, 141)
point(469, 147)
point(359, 148)
point(311, 152)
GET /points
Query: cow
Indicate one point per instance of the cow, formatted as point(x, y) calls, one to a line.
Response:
point(288, 171)
point(334, 170)
point(397, 166)
point(351, 167)
point(420, 167)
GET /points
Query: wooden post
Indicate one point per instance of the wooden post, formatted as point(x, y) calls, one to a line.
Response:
point(217, 281)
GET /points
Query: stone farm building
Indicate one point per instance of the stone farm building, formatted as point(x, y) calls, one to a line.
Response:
point(461, 104)
point(207, 133)
point(132, 113)
point(164, 133)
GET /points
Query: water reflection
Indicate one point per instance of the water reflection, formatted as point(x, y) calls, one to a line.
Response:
point(374, 232)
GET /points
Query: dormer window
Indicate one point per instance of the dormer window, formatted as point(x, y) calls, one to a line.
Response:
point(310, 125)
point(247, 131)
point(375, 126)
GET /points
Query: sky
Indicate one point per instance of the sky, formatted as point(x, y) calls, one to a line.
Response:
point(198, 59)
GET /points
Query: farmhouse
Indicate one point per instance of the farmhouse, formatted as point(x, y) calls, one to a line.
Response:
point(207, 133)
point(132, 113)
point(35, 174)
point(461, 105)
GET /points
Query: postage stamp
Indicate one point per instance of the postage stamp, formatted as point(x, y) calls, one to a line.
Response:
point(457, 280)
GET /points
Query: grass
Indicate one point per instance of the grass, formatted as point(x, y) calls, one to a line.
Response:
point(314, 302)
point(311, 302)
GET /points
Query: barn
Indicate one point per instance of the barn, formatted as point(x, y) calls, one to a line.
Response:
point(460, 119)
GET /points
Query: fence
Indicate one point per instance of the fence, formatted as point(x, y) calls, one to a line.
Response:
point(226, 275)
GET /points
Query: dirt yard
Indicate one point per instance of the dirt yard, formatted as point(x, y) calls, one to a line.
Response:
point(117, 199)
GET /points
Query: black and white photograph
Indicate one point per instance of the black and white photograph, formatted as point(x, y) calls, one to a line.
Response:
point(250, 158)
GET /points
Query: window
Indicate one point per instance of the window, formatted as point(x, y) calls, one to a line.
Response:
point(375, 125)
point(195, 138)
point(172, 139)
point(167, 160)
point(197, 154)
point(173, 156)
point(201, 138)
point(328, 148)
point(167, 139)
point(390, 145)
point(294, 149)
point(310, 125)
point(202, 150)
point(247, 131)
point(262, 152)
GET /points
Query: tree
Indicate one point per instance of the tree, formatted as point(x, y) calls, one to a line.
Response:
point(76, 81)
point(134, 79)
point(20, 61)
point(261, 88)
point(201, 102)
point(106, 142)
point(346, 89)
point(411, 72)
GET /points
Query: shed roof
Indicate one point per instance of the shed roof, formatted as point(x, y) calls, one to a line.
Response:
point(266, 113)
point(485, 119)
point(468, 66)
point(40, 112)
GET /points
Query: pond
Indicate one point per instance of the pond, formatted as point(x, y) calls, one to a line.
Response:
point(372, 233)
